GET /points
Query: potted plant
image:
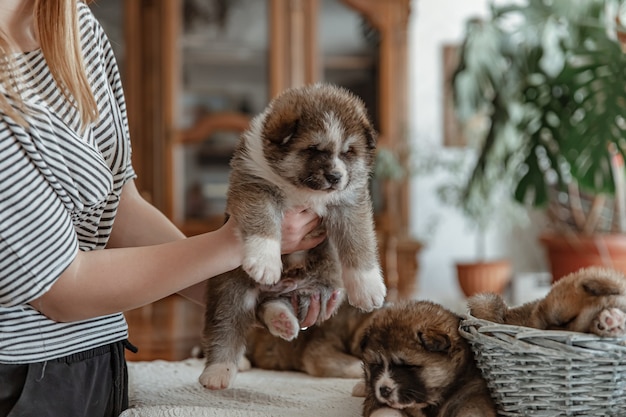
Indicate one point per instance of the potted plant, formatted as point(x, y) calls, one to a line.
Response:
point(550, 77)
point(481, 212)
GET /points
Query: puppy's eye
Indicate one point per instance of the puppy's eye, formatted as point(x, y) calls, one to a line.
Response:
point(312, 148)
point(374, 369)
point(402, 363)
point(406, 367)
point(350, 152)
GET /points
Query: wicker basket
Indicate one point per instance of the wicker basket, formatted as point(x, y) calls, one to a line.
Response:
point(534, 372)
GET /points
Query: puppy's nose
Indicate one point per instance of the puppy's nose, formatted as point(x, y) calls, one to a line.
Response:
point(385, 391)
point(333, 177)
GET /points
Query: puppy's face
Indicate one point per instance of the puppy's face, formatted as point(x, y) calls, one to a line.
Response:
point(412, 353)
point(319, 138)
point(576, 302)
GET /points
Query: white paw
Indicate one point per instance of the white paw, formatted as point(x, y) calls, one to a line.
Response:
point(353, 369)
point(387, 412)
point(359, 389)
point(280, 320)
point(262, 260)
point(610, 322)
point(366, 289)
point(244, 364)
point(218, 375)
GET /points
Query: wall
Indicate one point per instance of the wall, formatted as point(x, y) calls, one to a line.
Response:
point(433, 24)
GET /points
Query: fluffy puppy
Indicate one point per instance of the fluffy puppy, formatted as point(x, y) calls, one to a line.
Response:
point(312, 147)
point(591, 300)
point(331, 349)
point(418, 365)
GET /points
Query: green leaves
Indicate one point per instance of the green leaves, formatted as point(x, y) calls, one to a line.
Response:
point(553, 84)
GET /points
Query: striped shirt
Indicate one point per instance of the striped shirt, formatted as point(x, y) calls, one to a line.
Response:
point(59, 192)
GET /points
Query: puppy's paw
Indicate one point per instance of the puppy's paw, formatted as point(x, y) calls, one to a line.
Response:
point(280, 320)
point(244, 364)
point(359, 389)
point(353, 369)
point(387, 412)
point(366, 289)
point(610, 322)
point(262, 260)
point(218, 375)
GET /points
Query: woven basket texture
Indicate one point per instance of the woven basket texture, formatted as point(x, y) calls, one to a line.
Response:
point(533, 372)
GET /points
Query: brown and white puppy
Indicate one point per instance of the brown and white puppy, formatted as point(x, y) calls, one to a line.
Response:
point(418, 365)
point(591, 300)
point(312, 147)
point(331, 349)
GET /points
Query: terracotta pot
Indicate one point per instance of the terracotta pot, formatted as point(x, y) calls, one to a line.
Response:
point(481, 277)
point(569, 253)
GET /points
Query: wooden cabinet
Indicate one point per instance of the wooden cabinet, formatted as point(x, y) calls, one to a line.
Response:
point(196, 71)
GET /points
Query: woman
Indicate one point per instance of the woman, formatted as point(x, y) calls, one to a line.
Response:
point(66, 193)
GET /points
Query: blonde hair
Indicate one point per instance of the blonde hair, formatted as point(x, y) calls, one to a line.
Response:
point(56, 23)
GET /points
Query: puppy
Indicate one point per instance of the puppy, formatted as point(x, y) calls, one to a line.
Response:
point(331, 349)
point(591, 300)
point(417, 364)
point(312, 147)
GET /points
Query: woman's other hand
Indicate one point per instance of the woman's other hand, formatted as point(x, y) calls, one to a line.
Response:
point(301, 231)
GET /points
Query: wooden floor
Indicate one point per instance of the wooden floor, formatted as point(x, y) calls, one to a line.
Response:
point(168, 329)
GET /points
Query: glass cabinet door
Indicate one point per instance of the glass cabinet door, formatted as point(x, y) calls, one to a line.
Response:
point(223, 81)
point(348, 47)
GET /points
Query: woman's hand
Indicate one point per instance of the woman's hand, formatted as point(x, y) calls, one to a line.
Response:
point(315, 307)
point(300, 231)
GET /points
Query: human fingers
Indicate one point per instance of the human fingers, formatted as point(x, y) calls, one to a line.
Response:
point(283, 286)
point(313, 313)
point(300, 231)
point(310, 242)
point(333, 302)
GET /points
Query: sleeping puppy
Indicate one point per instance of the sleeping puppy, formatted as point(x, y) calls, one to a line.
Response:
point(591, 300)
point(312, 147)
point(418, 365)
point(331, 349)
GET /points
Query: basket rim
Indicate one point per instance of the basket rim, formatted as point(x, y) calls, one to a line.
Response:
point(475, 329)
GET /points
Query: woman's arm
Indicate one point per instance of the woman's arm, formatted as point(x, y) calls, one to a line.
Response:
point(148, 259)
point(107, 281)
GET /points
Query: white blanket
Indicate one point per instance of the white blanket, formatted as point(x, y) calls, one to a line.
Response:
point(161, 388)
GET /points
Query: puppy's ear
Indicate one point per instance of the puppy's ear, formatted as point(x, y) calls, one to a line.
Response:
point(279, 127)
point(436, 342)
point(598, 287)
point(370, 135)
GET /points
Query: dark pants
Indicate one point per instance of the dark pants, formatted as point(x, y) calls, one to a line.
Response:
point(86, 384)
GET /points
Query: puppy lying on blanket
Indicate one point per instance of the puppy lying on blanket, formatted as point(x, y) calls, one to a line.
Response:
point(331, 349)
point(591, 300)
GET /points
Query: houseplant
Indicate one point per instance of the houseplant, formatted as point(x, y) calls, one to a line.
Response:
point(482, 213)
point(551, 79)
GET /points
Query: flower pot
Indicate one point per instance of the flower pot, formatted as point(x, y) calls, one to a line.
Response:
point(569, 253)
point(482, 277)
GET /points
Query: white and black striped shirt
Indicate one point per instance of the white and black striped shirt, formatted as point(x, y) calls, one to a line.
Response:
point(59, 192)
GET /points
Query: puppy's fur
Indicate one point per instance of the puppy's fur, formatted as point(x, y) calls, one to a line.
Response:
point(331, 349)
point(418, 365)
point(591, 300)
point(312, 147)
